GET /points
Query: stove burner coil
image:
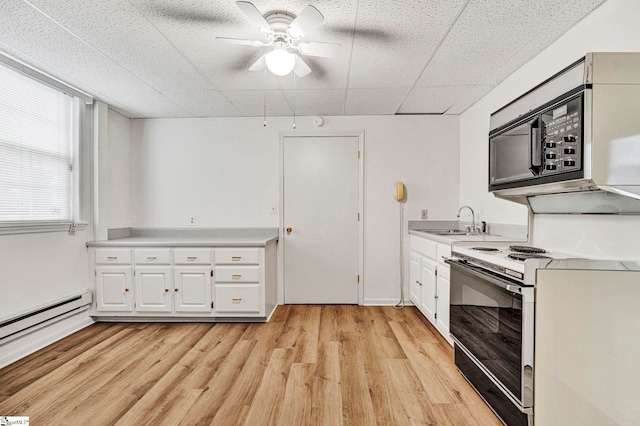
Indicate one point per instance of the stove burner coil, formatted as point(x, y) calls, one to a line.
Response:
point(524, 256)
point(485, 248)
point(527, 249)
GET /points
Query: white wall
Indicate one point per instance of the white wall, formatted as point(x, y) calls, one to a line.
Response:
point(225, 171)
point(118, 210)
point(612, 27)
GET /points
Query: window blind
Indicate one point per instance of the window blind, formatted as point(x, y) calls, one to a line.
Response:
point(36, 150)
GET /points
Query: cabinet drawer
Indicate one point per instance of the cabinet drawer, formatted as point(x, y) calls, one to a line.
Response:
point(233, 298)
point(423, 246)
point(192, 256)
point(152, 256)
point(113, 256)
point(239, 274)
point(237, 256)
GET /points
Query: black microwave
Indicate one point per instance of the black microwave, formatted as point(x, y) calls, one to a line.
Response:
point(543, 146)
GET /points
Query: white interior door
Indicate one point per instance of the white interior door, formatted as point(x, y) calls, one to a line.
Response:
point(321, 208)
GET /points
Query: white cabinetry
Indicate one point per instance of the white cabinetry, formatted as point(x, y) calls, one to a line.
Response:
point(239, 282)
point(113, 280)
point(429, 281)
point(192, 280)
point(153, 281)
point(179, 282)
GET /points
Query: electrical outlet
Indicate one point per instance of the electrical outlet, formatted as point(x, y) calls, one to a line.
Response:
point(192, 221)
point(423, 214)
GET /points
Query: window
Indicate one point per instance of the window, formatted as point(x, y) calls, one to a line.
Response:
point(39, 128)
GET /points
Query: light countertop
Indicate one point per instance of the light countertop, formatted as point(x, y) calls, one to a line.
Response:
point(209, 237)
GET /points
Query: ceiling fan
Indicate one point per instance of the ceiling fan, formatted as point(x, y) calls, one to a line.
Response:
point(284, 31)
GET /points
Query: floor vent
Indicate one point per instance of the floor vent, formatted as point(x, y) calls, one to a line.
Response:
point(29, 321)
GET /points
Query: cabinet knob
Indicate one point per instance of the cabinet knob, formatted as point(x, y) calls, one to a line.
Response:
point(289, 229)
point(166, 290)
point(126, 290)
point(176, 290)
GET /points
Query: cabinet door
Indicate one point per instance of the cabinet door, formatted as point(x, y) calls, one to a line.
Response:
point(442, 304)
point(192, 289)
point(428, 296)
point(414, 279)
point(113, 288)
point(153, 289)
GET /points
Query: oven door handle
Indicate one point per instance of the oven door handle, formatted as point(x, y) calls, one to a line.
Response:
point(467, 268)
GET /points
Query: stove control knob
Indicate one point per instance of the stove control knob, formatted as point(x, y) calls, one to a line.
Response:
point(551, 167)
point(550, 145)
point(550, 156)
point(569, 163)
point(570, 138)
point(569, 150)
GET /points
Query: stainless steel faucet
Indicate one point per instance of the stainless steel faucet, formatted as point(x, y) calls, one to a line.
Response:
point(473, 229)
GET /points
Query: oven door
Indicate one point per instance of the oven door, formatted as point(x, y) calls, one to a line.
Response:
point(491, 318)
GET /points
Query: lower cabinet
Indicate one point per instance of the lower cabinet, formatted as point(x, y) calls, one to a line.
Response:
point(192, 289)
point(429, 281)
point(185, 282)
point(114, 288)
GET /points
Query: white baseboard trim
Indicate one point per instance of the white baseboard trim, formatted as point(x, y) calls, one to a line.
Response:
point(385, 302)
point(29, 343)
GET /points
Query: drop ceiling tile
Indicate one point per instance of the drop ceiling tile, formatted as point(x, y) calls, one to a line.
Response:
point(432, 100)
point(557, 26)
point(394, 40)
point(374, 101)
point(466, 101)
point(74, 62)
point(117, 29)
point(204, 103)
point(487, 33)
point(317, 102)
point(251, 102)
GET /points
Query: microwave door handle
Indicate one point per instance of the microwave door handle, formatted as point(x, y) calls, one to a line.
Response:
point(535, 156)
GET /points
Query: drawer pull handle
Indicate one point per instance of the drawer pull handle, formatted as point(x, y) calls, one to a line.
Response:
point(236, 258)
point(112, 257)
point(151, 257)
point(191, 258)
point(236, 299)
point(236, 276)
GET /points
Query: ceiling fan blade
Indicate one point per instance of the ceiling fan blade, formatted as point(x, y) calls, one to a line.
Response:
point(301, 68)
point(240, 41)
point(306, 21)
point(323, 50)
point(259, 64)
point(254, 16)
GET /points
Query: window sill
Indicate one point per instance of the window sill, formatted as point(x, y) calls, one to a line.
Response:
point(9, 228)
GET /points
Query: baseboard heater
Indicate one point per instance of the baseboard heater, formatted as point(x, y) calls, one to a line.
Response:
point(39, 317)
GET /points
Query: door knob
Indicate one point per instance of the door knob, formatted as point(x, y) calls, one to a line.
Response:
point(288, 229)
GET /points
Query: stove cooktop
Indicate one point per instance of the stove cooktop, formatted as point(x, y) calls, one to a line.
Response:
point(508, 255)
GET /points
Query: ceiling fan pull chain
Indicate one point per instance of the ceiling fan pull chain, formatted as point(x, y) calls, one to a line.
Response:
point(294, 101)
point(264, 99)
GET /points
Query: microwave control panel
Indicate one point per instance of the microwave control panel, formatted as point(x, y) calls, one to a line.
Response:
point(561, 138)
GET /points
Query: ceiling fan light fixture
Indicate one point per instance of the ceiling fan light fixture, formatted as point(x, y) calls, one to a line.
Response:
point(280, 62)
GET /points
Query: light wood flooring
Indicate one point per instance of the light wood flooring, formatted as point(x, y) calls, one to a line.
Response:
point(311, 364)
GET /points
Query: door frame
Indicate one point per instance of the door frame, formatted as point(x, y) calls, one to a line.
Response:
point(314, 134)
